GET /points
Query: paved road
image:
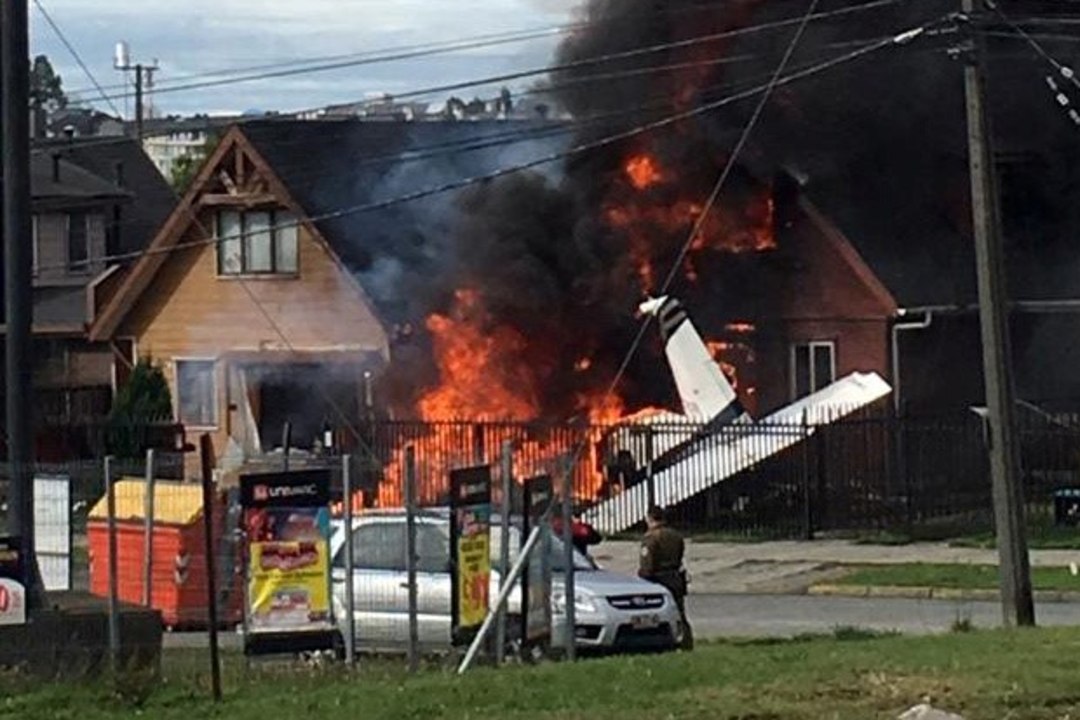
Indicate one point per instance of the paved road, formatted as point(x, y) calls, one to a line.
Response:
point(718, 616)
point(715, 616)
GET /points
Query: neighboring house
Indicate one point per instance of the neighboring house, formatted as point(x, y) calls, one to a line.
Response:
point(264, 327)
point(898, 299)
point(279, 318)
point(82, 122)
point(92, 201)
point(168, 139)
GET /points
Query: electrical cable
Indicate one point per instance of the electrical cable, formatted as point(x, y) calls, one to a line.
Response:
point(560, 155)
point(714, 196)
point(75, 54)
point(637, 52)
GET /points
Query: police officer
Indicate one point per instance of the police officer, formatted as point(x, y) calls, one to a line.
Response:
point(662, 563)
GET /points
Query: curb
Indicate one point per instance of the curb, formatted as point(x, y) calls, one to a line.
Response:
point(932, 593)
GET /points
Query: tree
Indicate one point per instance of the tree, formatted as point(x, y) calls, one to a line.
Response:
point(144, 400)
point(187, 166)
point(46, 87)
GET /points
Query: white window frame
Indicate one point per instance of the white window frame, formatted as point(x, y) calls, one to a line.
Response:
point(811, 345)
point(178, 414)
point(275, 223)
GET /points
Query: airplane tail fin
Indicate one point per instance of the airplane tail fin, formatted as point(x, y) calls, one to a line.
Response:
point(706, 394)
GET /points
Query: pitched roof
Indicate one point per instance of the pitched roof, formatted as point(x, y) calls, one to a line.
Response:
point(330, 166)
point(922, 262)
point(153, 197)
point(56, 180)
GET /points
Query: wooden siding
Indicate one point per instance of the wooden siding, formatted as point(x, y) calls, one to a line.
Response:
point(189, 311)
point(51, 252)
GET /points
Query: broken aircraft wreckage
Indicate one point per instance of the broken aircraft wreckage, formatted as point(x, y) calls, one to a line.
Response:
point(714, 439)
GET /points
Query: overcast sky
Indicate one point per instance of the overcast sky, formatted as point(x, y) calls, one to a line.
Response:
point(190, 37)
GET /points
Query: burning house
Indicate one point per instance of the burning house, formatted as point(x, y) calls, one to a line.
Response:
point(310, 252)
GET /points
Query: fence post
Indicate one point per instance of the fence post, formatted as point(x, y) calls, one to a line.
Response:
point(900, 445)
point(148, 532)
point(410, 557)
point(808, 495)
point(504, 548)
point(514, 576)
point(822, 480)
point(569, 608)
point(286, 444)
point(350, 591)
point(650, 457)
point(478, 443)
point(114, 583)
point(206, 452)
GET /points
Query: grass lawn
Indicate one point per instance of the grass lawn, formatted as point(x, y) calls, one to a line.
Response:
point(967, 577)
point(1040, 537)
point(1015, 674)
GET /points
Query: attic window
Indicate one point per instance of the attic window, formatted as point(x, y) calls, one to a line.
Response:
point(257, 242)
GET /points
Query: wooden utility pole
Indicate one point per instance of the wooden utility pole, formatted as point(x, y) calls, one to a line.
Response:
point(18, 299)
point(1014, 568)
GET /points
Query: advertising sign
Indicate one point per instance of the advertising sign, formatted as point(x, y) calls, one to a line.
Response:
point(52, 530)
point(287, 527)
point(470, 543)
point(536, 581)
point(12, 591)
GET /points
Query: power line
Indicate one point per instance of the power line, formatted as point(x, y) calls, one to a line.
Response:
point(332, 62)
point(463, 145)
point(502, 138)
point(1064, 70)
point(510, 35)
point(714, 196)
point(637, 52)
point(537, 91)
point(75, 54)
point(773, 83)
point(817, 68)
point(1062, 99)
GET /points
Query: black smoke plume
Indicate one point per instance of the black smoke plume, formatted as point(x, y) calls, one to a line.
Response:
point(879, 141)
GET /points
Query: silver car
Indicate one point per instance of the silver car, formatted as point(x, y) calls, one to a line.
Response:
point(613, 611)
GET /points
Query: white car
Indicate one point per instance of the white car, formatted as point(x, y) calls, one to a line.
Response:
point(613, 611)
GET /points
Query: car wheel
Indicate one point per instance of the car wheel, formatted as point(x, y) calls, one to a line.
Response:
point(684, 636)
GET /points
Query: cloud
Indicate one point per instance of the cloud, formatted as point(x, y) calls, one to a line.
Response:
point(197, 36)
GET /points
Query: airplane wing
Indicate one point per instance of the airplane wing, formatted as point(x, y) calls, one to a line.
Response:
point(733, 450)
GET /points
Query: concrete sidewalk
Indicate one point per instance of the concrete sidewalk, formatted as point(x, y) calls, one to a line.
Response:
point(791, 566)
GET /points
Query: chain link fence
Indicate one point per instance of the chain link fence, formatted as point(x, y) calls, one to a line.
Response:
point(143, 546)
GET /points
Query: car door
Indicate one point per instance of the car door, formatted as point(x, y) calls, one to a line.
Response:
point(433, 582)
point(379, 582)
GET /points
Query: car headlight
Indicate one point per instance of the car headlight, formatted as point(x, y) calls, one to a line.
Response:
point(583, 602)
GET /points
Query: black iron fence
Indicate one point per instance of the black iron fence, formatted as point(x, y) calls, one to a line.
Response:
point(914, 475)
point(874, 471)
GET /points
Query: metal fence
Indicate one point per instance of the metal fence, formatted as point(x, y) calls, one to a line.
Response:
point(873, 471)
point(869, 472)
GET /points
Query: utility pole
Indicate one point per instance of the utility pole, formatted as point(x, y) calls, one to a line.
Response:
point(1014, 567)
point(18, 298)
point(138, 102)
point(122, 62)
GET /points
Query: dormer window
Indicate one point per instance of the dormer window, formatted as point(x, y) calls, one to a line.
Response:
point(257, 242)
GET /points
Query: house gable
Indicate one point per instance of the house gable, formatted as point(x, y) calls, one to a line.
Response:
point(834, 281)
point(175, 301)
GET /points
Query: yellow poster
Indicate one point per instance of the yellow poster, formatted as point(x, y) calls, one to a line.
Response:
point(474, 567)
point(288, 585)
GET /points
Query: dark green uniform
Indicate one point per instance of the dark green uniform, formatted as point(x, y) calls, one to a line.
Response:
point(662, 563)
